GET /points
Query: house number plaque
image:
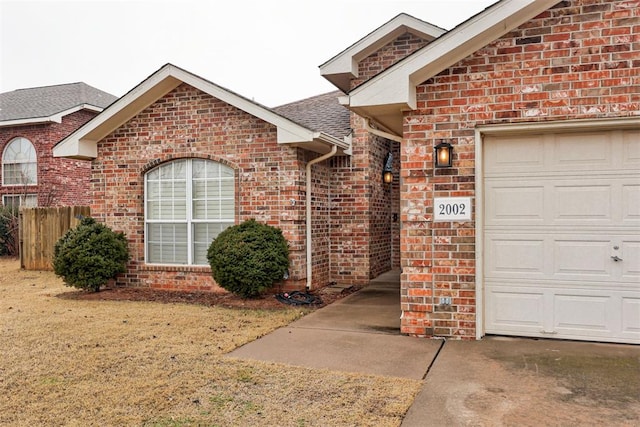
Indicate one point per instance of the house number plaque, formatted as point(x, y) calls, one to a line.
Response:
point(452, 209)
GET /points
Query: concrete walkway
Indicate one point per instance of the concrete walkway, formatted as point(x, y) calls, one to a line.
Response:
point(494, 381)
point(360, 333)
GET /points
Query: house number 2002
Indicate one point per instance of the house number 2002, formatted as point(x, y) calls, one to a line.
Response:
point(452, 209)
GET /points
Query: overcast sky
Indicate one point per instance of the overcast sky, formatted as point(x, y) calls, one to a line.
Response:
point(266, 50)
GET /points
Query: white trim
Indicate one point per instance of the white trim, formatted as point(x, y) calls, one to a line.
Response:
point(562, 125)
point(520, 128)
point(388, 94)
point(54, 118)
point(340, 69)
point(479, 196)
point(83, 142)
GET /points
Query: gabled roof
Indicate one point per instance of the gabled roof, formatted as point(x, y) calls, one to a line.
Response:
point(343, 67)
point(82, 144)
point(384, 97)
point(321, 113)
point(50, 103)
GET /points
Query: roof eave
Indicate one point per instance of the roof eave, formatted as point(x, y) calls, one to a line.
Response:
point(396, 86)
point(54, 118)
point(83, 142)
point(342, 68)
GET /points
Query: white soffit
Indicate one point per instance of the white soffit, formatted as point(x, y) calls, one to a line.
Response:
point(82, 143)
point(385, 96)
point(343, 67)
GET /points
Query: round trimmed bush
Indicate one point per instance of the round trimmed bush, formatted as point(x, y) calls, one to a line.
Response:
point(89, 255)
point(248, 258)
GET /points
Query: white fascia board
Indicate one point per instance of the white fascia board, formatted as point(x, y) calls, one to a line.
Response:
point(344, 66)
point(83, 141)
point(55, 118)
point(75, 150)
point(450, 48)
point(288, 131)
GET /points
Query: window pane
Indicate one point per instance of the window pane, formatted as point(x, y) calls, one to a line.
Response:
point(227, 211)
point(167, 243)
point(19, 174)
point(30, 201)
point(226, 172)
point(227, 189)
point(19, 163)
point(153, 190)
point(166, 198)
point(203, 235)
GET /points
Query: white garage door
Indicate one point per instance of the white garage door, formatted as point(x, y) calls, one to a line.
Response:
point(562, 235)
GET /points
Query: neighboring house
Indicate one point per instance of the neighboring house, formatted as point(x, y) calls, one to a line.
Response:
point(32, 121)
point(533, 229)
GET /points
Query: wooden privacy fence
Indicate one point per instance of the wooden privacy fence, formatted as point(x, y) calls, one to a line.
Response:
point(40, 229)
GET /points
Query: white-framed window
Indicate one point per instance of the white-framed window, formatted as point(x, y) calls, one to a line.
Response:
point(17, 200)
point(188, 202)
point(19, 163)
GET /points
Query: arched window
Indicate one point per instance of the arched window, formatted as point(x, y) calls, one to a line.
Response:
point(19, 163)
point(188, 202)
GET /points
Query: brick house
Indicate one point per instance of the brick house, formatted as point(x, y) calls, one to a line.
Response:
point(530, 226)
point(32, 121)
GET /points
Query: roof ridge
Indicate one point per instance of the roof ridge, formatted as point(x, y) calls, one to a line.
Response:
point(47, 86)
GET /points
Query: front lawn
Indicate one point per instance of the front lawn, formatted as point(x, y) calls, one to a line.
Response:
point(74, 362)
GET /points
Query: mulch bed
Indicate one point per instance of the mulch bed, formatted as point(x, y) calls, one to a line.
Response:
point(267, 301)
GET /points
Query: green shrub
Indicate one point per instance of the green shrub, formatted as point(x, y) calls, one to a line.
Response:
point(248, 258)
point(8, 231)
point(90, 254)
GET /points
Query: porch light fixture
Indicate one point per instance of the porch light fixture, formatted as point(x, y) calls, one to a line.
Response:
point(443, 155)
point(387, 171)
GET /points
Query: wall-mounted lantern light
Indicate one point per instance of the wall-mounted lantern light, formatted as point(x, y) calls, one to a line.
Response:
point(443, 155)
point(387, 170)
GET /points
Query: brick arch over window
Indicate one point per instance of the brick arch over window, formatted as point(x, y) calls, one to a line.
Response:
point(157, 162)
point(188, 202)
point(19, 163)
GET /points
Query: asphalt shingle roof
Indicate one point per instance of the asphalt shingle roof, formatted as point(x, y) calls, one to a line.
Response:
point(47, 101)
point(321, 113)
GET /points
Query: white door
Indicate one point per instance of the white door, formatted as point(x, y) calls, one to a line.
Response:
point(562, 235)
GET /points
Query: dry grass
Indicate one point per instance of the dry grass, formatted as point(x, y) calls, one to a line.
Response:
point(79, 363)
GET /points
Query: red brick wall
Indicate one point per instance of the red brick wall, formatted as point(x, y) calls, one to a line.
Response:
point(578, 60)
point(61, 182)
point(382, 59)
point(270, 181)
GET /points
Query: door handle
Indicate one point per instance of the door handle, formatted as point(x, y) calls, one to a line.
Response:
point(616, 258)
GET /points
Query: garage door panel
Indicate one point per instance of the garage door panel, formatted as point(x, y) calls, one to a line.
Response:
point(581, 314)
point(630, 264)
point(515, 309)
point(562, 235)
point(516, 203)
point(522, 153)
point(587, 153)
point(630, 316)
point(583, 202)
point(582, 258)
point(631, 150)
point(631, 203)
point(517, 256)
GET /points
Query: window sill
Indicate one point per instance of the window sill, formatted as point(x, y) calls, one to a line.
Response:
point(177, 268)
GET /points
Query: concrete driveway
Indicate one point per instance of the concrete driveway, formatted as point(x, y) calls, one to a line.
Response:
point(497, 381)
point(502, 381)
